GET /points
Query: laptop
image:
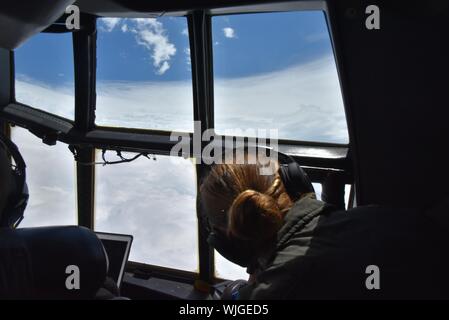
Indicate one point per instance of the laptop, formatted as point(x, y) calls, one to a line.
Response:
point(117, 248)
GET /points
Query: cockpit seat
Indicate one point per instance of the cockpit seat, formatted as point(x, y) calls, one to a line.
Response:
point(64, 262)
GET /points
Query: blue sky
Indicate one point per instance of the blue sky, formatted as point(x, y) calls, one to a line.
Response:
point(46, 58)
point(268, 42)
point(243, 45)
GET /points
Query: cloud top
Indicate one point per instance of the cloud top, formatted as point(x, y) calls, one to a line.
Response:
point(229, 32)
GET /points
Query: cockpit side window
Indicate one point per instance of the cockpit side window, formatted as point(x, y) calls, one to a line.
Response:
point(51, 180)
point(155, 201)
point(277, 71)
point(144, 77)
point(44, 74)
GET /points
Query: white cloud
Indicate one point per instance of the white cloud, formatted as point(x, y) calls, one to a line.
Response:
point(185, 32)
point(145, 199)
point(110, 23)
point(164, 67)
point(162, 49)
point(151, 34)
point(229, 32)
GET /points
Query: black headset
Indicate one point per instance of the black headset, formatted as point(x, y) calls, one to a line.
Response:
point(240, 251)
point(14, 210)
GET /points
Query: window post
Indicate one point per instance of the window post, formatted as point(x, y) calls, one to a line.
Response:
point(84, 46)
point(201, 57)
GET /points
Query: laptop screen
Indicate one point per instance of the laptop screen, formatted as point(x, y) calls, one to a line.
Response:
point(117, 248)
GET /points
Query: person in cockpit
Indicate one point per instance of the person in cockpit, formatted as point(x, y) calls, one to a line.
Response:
point(297, 247)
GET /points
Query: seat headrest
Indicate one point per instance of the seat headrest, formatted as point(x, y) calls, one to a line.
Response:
point(42, 256)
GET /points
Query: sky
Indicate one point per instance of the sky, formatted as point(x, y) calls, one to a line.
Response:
point(271, 71)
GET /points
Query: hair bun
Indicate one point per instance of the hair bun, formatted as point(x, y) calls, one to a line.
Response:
point(254, 216)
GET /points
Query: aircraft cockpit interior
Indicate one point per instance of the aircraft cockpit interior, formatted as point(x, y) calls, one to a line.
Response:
point(224, 150)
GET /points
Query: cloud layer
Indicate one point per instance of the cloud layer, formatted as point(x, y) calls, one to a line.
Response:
point(154, 201)
point(51, 182)
point(302, 102)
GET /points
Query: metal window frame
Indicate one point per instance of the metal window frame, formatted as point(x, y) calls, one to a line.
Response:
point(84, 52)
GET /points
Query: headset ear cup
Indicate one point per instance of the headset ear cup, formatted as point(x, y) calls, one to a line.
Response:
point(300, 174)
point(18, 198)
point(15, 212)
point(295, 179)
